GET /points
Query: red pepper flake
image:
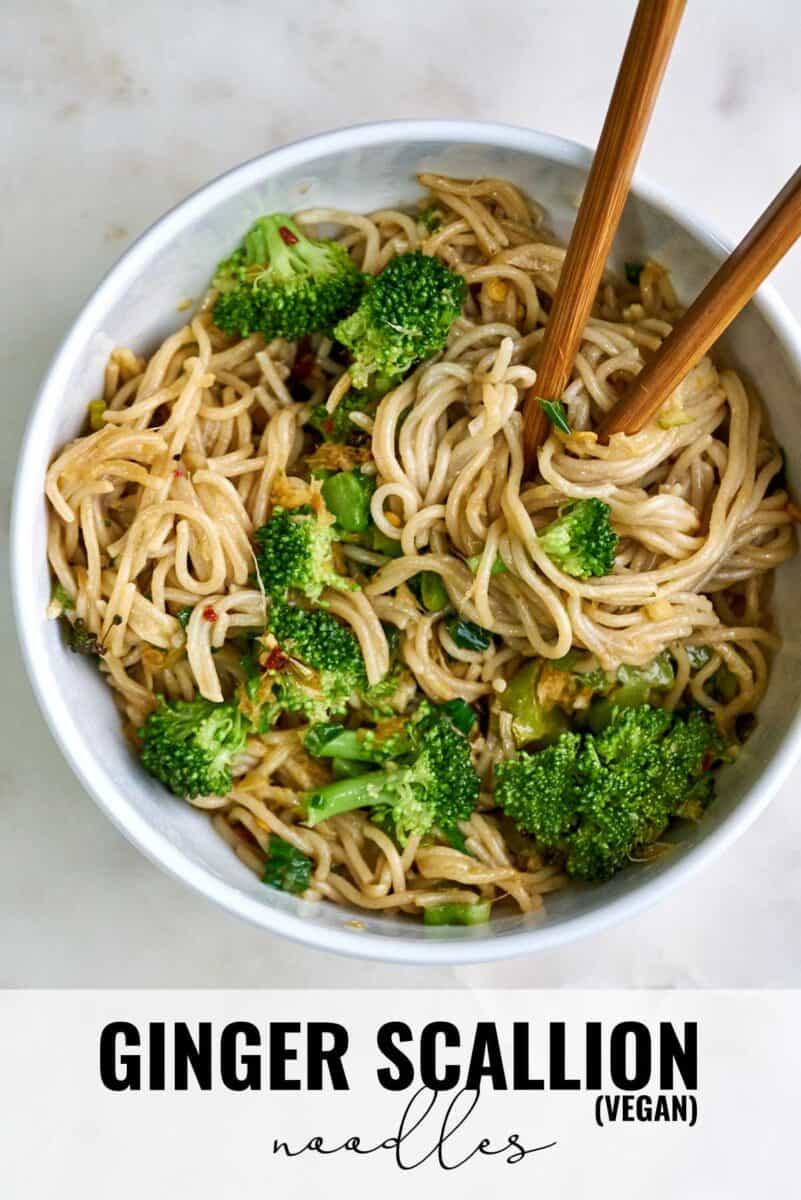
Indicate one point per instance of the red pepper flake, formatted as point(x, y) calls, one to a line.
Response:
point(287, 236)
point(276, 660)
point(209, 613)
point(179, 473)
point(708, 760)
point(328, 426)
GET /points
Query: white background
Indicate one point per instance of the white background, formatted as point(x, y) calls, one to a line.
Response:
point(110, 114)
point(63, 1135)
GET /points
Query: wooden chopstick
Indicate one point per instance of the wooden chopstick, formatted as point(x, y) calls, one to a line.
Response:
point(644, 61)
point(727, 292)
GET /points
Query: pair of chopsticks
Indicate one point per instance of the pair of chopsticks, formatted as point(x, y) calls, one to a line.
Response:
point(647, 51)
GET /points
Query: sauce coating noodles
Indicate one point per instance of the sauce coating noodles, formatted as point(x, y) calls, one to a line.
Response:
point(154, 513)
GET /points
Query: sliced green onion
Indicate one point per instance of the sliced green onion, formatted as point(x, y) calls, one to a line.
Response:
point(468, 635)
point(455, 838)
point(459, 713)
point(95, 412)
point(432, 592)
point(568, 661)
point(62, 598)
point(458, 914)
point(347, 495)
point(319, 736)
point(497, 568)
point(383, 544)
point(183, 615)
point(556, 414)
point(286, 867)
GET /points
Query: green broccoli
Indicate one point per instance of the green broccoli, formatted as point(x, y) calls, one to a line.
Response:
point(286, 867)
point(314, 670)
point(337, 426)
point(477, 913)
point(581, 541)
point(592, 800)
point(433, 786)
point(372, 745)
point(387, 739)
point(190, 745)
point(284, 284)
point(403, 317)
point(295, 551)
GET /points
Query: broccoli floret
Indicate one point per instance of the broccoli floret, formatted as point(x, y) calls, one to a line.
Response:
point(315, 668)
point(591, 800)
point(318, 639)
point(295, 551)
point(581, 541)
point(403, 317)
point(286, 867)
point(284, 284)
point(433, 786)
point(269, 694)
point(380, 697)
point(190, 745)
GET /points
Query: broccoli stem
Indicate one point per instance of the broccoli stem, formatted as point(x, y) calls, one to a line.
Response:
point(332, 741)
point(362, 791)
point(278, 253)
point(348, 768)
point(264, 244)
point(276, 240)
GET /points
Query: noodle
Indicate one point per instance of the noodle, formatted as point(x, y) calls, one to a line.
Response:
point(153, 514)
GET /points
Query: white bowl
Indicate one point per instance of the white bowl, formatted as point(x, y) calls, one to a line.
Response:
point(363, 168)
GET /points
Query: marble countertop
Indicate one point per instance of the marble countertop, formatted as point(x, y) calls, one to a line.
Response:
point(110, 116)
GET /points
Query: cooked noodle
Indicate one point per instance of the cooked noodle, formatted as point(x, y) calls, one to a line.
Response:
point(155, 511)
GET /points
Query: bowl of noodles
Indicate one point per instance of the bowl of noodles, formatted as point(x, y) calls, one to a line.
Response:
point(298, 619)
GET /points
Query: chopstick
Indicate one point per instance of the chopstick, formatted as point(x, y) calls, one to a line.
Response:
point(727, 292)
point(644, 61)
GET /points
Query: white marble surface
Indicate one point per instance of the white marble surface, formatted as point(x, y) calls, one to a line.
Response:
point(110, 114)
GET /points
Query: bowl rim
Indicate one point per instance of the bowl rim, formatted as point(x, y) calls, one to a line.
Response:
point(102, 787)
